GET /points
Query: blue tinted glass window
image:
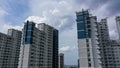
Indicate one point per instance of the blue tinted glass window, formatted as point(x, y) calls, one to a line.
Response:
point(28, 37)
point(81, 34)
point(80, 17)
point(28, 41)
point(30, 27)
point(28, 33)
point(80, 26)
point(80, 22)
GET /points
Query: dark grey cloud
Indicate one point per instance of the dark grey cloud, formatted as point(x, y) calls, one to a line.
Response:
point(112, 6)
point(92, 4)
point(97, 3)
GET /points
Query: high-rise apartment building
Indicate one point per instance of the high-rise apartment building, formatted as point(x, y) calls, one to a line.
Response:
point(89, 54)
point(103, 35)
point(37, 46)
point(109, 49)
point(61, 60)
point(118, 24)
point(51, 44)
point(114, 54)
point(10, 48)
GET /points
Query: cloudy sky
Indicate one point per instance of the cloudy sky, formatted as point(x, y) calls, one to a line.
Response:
point(61, 15)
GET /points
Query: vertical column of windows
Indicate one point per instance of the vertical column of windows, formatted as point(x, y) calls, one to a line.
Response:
point(88, 51)
point(80, 26)
point(28, 30)
point(83, 25)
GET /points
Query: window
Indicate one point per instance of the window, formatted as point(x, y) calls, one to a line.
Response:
point(81, 34)
point(80, 26)
point(28, 41)
point(89, 64)
point(29, 33)
point(30, 27)
point(88, 26)
point(80, 21)
point(80, 17)
point(89, 59)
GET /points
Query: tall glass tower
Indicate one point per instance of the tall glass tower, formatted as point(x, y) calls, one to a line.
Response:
point(87, 40)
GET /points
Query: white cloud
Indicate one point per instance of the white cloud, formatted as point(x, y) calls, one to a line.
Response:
point(63, 22)
point(55, 11)
point(4, 26)
point(113, 34)
point(112, 28)
point(67, 49)
point(36, 19)
point(68, 37)
point(62, 2)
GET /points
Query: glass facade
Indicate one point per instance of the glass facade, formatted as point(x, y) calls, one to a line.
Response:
point(80, 18)
point(83, 25)
point(80, 26)
point(81, 34)
point(28, 30)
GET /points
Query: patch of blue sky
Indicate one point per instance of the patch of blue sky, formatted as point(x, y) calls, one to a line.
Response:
point(17, 10)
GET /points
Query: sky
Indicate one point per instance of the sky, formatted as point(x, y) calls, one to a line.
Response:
point(59, 14)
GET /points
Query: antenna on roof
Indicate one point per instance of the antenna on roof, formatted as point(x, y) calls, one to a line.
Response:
point(27, 21)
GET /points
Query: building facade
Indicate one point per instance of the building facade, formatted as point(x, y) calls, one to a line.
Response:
point(115, 54)
point(51, 44)
point(103, 35)
point(109, 49)
point(87, 40)
point(61, 60)
point(118, 24)
point(37, 46)
point(10, 48)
